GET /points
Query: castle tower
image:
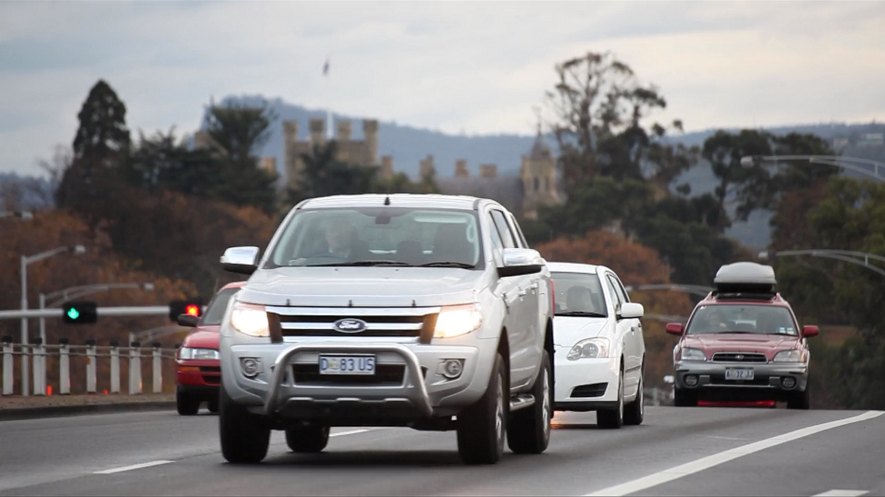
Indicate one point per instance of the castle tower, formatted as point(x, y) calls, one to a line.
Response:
point(426, 168)
point(538, 175)
point(317, 131)
point(461, 170)
point(343, 133)
point(386, 171)
point(370, 136)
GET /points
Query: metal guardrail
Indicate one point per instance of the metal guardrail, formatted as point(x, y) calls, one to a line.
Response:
point(38, 354)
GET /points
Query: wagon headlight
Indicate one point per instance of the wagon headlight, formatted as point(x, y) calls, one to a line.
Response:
point(457, 320)
point(589, 348)
point(250, 319)
point(792, 355)
point(690, 354)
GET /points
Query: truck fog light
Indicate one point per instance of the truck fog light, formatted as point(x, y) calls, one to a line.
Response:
point(788, 382)
point(251, 366)
point(691, 380)
point(452, 368)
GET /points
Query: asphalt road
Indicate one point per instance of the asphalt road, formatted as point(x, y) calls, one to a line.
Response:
point(677, 451)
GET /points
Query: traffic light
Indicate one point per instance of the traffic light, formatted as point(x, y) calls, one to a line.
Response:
point(79, 312)
point(191, 307)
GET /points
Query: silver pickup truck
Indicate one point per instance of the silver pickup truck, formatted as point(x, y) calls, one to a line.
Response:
point(425, 311)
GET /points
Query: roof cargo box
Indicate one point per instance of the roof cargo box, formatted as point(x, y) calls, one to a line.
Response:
point(745, 279)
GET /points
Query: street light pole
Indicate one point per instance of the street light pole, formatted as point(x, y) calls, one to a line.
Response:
point(25, 260)
point(851, 256)
point(868, 167)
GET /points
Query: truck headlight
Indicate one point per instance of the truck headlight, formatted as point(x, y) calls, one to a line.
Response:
point(690, 354)
point(194, 353)
point(589, 348)
point(792, 355)
point(250, 319)
point(457, 320)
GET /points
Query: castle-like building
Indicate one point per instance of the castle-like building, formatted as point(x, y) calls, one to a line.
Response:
point(535, 186)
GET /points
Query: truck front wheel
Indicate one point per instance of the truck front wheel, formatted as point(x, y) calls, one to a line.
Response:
point(481, 426)
point(244, 437)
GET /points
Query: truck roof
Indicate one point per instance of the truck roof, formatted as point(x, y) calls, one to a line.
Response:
point(433, 200)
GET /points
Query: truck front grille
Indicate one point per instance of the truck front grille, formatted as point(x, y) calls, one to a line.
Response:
point(408, 322)
point(385, 375)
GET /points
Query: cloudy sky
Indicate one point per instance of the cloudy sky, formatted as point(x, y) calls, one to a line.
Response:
point(459, 67)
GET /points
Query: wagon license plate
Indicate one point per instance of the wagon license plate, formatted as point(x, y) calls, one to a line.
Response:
point(739, 374)
point(347, 364)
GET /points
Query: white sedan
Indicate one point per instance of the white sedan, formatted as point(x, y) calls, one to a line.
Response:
point(599, 345)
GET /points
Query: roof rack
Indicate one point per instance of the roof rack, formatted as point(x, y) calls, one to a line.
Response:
point(745, 280)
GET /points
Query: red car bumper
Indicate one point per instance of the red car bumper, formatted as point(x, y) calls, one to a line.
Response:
point(198, 374)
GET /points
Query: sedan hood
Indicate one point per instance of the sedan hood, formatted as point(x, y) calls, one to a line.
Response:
point(361, 286)
point(740, 342)
point(204, 337)
point(567, 330)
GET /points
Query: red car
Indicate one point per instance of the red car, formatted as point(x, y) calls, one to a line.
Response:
point(742, 343)
point(198, 366)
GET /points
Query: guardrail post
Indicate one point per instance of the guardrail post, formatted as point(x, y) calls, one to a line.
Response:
point(64, 367)
point(91, 383)
point(39, 370)
point(134, 368)
point(115, 366)
point(157, 368)
point(7, 365)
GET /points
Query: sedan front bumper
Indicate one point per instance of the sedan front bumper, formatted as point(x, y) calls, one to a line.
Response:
point(769, 380)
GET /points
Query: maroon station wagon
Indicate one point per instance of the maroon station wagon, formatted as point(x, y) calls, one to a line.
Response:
point(742, 343)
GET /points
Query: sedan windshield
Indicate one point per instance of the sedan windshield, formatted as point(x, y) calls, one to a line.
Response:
point(578, 294)
point(372, 236)
point(758, 319)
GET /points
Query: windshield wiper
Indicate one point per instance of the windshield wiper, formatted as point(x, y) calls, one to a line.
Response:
point(366, 263)
point(448, 264)
point(581, 313)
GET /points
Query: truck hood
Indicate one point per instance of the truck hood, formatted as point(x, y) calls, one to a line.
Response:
point(734, 342)
point(361, 286)
point(567, 330)
point(205, 337)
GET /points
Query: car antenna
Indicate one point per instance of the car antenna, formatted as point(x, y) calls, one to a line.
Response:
point(387, 200)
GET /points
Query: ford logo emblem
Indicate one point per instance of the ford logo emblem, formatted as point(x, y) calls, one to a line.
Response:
point(350, 325)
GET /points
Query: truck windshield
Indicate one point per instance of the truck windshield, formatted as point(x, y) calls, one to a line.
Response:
point(379, 237)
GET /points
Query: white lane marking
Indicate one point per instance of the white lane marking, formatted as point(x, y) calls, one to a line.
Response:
point(842, 493)
point(132, 467)
point(703, 463)
point(351, 432)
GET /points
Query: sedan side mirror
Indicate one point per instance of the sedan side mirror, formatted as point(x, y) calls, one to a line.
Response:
point(675, 328)
point(187, 320)
point(631, 310)
point(810, 330)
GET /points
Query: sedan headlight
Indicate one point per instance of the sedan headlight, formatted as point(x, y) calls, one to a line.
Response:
point(195, 353)
point(690, 354)
point(457, 320)
point(792, 355)
point(250, 319)
point(589, 348)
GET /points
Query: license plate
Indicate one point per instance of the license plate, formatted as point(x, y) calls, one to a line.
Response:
point(739, 374)
point(347, 364)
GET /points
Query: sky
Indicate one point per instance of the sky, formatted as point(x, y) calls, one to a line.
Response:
point(473, 68)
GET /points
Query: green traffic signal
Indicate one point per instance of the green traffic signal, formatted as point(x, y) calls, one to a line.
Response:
point(79, 312)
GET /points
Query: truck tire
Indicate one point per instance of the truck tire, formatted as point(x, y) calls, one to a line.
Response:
point(634, 412)
point(528, 430)
point(481, 426)
point(244, 436)
point(185, 404)
point(307, 439)
point(613, 418)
